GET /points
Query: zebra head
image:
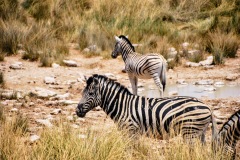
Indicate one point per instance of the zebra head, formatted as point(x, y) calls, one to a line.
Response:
point(117, 49)
point(90, 97)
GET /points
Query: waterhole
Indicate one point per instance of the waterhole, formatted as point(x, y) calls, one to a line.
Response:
point(198, 91)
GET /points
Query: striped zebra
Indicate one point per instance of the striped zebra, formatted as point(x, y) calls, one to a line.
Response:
point(228, 136)
point(147, 66)
point(140, 115)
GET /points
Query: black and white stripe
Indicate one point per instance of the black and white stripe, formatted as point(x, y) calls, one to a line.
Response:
point(228, 136)
point(152, 116)
point(141, 66)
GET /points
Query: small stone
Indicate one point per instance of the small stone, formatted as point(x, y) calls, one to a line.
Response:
point(231, 77)
point(49, 80)
point(98, 108)
point(204, 82)
point(70, 63)
point(75, 126)
point(43, 93)
point(192, 64)
point(16, 65)
point(44, 122)
point(210, 89)
point(56, 111)
point(70, 118)
point(14, 110)
point(173, 93)
point(34, 138)
point(208, 61)
point(181, 81)
point(82, 136)
point(55, 65)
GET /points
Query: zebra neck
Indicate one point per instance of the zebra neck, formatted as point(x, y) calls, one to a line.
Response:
point(113, 100)
point(126, 53)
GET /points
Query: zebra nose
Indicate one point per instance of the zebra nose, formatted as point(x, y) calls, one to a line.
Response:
point(114, 55)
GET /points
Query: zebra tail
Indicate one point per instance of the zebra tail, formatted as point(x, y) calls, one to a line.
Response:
point(163, 76)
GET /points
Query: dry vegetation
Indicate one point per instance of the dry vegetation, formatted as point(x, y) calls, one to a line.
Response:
point(44, 28)
point(64, 142)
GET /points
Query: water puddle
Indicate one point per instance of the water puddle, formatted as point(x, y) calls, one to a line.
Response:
point(198, 91)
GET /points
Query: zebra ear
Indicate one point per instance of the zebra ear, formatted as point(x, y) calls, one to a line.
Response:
point(117, 38)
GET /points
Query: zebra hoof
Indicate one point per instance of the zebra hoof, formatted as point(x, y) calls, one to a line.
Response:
point(124, 71)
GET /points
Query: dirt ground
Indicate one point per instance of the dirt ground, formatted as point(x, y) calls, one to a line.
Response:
point(33, 76)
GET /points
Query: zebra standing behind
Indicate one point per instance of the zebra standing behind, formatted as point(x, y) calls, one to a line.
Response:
point(142, 115)
point(141, 66)
point(228, 136)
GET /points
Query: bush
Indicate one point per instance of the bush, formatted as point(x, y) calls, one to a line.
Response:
point(222, 45)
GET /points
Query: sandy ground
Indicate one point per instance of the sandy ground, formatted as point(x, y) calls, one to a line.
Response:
point(33, 76)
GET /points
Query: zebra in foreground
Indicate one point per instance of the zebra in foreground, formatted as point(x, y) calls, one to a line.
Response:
point(141, 115)
point(228, 136)
point(147, 66)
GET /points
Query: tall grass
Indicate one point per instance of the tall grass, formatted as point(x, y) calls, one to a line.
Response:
point(64, 142)
point(36, 24)
point(222, 45)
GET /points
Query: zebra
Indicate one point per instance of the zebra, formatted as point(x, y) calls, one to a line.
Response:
point(228, 136)
point(147, 66)
point(160, 117)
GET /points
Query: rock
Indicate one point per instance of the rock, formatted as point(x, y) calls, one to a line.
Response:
point(62, 96)
point(16, 65)
point(55, 65)
point(70, 118)
point(231, 77)
point(44, 122)
point(75, 126)
point(68, 102)
point(34, 138)
point(181, 81)
point(210, 89)
point(208, 61)
point(43, 93)
point(22, 52)
point(185, 45)
point(98, 108)
point(172, 93)
point(37, 110)
point(219, 84)
point(172, 53)
point(81, 120)
point(204, 82)
point(14, 110)
point(56, 111)
point(70, 63)
point(49, 80)
point(192, 64)
point(82, 136)
point(8, 94)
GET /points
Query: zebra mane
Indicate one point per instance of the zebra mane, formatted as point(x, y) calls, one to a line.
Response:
point(235, 114)
point(106, 79)
point(127, 40)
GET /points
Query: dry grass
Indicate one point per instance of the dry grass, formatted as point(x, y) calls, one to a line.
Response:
point(64, 142)
point(96, 22)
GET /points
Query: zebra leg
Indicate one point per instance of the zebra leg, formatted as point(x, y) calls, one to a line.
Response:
point(134, 81)
point(158, 83)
